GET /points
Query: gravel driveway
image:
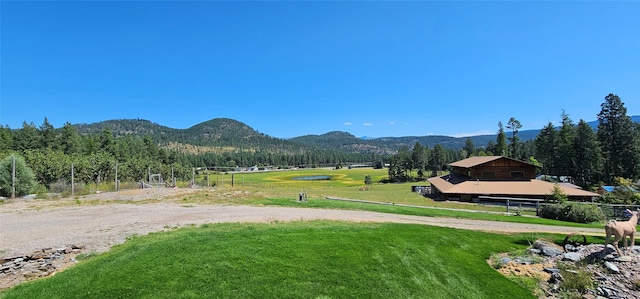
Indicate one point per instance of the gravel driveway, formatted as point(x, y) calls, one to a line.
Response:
point(27, 225)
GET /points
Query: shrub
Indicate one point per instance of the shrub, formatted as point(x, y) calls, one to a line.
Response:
point(573, 212)
point(576, 280)
point(25, 179)
point(552, 211)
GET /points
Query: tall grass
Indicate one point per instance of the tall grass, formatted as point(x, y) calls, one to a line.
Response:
point(318, 259)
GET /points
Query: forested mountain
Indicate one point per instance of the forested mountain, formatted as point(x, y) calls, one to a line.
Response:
point(122, 127)
point(219, 132)
point(234, 134)
point(132, 148)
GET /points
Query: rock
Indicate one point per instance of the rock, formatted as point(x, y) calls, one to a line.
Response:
point(551, 270)
point(612, 267)
point(624, 258)
point(551, 252)
point(63, 250)
point(534, 251)
point(505, 260)
point(556, 278)
point(610, 257)
point(571, 256)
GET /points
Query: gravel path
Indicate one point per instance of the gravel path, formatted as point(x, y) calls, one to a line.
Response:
point(27, 225)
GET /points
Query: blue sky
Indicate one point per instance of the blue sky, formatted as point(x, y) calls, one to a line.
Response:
point(292, 68)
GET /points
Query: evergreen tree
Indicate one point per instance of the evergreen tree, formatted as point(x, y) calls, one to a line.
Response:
point(500, 148)
point(469, 147)
point(588, 156)
point(565, 147)
point(437, 159)
point(404, 157)
point(546, 148)
point(27, 137)
point(107, 141)
point(418, 156)
point(618, 137)
point(47, 134)
point(514, 126)
point(69, 140)
point(6, 139)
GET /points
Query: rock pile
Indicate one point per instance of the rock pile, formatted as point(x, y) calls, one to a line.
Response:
point(613, 276)
point(40, 263)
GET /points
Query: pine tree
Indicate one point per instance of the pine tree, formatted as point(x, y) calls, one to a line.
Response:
point(566, 156)
point(619, 140)
point(588, 156)
point(69, 140)
point(469, 147)
point(546, 148)
point(514, 126)
point(500, 148)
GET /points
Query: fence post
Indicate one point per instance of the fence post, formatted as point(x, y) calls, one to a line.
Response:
point(117, 178)
point(507, 205)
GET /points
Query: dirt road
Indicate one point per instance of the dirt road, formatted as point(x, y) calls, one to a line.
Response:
point(26, 225)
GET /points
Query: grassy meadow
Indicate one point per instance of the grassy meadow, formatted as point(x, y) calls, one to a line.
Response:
point(281, 189)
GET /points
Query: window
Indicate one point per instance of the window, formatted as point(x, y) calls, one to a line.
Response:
point(517, 174)
point(488, 175)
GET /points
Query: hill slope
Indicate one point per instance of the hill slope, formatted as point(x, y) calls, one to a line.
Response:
point(237, 135)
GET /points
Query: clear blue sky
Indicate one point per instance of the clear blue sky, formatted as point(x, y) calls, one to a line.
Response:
point(292, 68)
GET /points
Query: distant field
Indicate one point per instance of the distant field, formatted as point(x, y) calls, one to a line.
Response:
point(280, 188)
point(344, 183)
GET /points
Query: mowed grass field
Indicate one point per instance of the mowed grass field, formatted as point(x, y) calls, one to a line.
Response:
point(312, 259)
point(317, 259)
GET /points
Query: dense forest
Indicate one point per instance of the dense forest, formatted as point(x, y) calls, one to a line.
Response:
point(609, 155)
point(133, 148)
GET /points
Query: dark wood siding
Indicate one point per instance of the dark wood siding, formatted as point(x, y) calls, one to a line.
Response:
point(500, 169)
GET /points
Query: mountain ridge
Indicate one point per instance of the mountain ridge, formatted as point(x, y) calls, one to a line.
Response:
point(233, 133)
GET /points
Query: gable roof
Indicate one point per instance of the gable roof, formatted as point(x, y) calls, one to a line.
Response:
point(532, 188)
point(479, 160)
point(474, 161)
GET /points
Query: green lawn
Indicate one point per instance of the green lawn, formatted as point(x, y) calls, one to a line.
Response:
point(317, 259)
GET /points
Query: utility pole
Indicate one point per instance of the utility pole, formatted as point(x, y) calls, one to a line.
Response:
point(13, 176)
point(72, 182)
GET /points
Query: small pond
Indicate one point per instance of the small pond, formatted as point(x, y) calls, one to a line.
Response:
point(313, 178)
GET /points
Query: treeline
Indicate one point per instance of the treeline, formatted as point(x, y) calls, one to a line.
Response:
point(590, 158)
point(50, 154)
point(96, 157)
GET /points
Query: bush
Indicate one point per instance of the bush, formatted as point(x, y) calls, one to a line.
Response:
point(25, 179)
point(552, 211)
point(573, 212)
point(584, 213)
